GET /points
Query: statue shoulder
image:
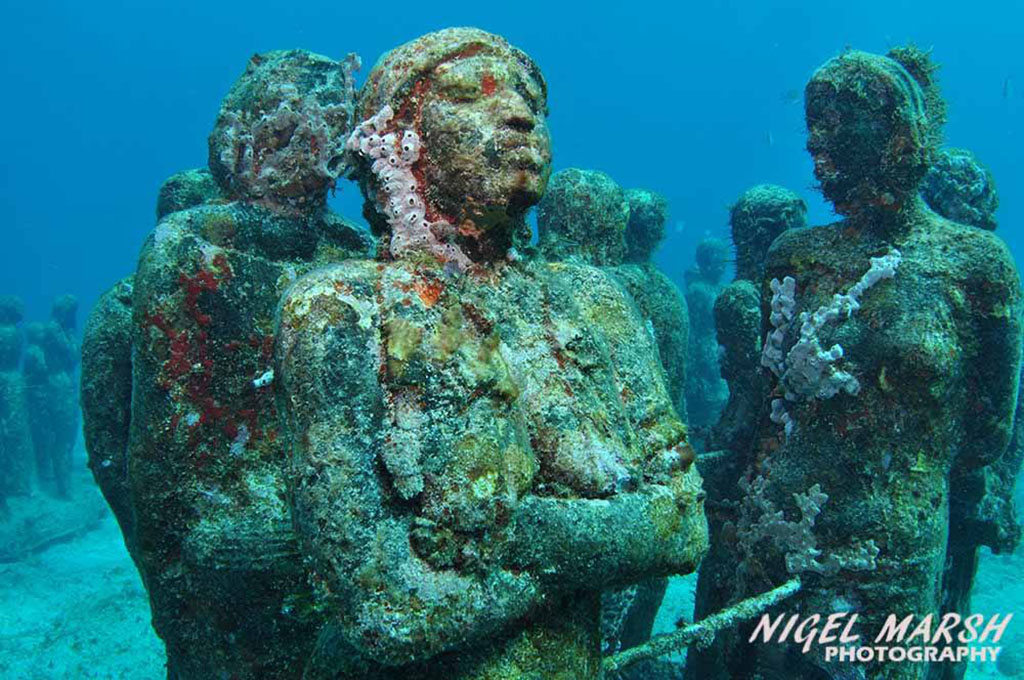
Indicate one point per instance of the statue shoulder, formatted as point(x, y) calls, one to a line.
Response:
point(328, 346)
point(331, 294)
point(108, 326)
point(798, 244)
point(175, 241)
point(985, 256)
point(591, 286)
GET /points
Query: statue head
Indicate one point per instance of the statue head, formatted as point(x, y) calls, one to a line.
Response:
point(65, 312)
point(756, 219)
point(869, 133)
point(959, 187)
point(583, 214)
point(712, 259)
point(12, 310)
point(280, 133)
point(648, 212)
point(472, 109)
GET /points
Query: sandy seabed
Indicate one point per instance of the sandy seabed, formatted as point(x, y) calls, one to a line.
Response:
point(78, 610)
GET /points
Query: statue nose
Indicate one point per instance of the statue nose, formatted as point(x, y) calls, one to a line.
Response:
point(517, 113)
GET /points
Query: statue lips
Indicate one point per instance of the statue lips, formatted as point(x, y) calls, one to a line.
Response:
point(531, 143)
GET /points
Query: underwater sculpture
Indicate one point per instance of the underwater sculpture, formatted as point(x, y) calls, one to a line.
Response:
point(585, 217)
point(471, 429)
point(17, 458)
point(959, 187)
point(658, 299)
point(706, 392)
point(756, 220)
point(758, 217)
point(866, 441)
point(51, 356)
point(181, 424)
point(212, 489)
point(581, 219)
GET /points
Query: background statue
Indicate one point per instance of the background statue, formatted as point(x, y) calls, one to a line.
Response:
point(760, 215)
point(17, 458)
point(706, 392)
point(51, 359)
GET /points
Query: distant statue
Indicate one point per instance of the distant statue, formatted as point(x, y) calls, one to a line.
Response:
point(585, 217)
point(50, 364)
point(17, 458)
point(706, 392)
point(893, 346)
point(658, 299)
point(760, 215)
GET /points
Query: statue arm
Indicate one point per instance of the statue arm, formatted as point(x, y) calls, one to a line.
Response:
point(993, 380)
point(106, 396)
point(599, 543)
point(658, 526)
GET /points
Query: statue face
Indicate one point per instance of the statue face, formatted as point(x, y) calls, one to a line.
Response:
point(847, 144)
point(487, 143)
point(866, 126)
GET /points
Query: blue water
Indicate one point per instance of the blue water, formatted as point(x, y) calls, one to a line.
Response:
point(102, 101)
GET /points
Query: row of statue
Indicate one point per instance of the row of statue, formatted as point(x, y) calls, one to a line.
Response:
point(39, 413)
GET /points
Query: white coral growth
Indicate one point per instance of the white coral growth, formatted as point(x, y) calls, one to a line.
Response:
point(780, 416)
point(760, 520)
point(393, 153)
point(808, 370)
point(783, 304)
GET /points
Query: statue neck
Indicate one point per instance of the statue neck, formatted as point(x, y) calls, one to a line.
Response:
point(890, 223)
point(486, 236)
